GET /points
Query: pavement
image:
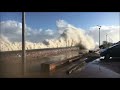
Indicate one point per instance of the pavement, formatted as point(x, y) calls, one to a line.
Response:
point(93, 69)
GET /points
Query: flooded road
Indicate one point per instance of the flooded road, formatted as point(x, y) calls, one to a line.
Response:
point(97, 69)
point(13, 68)
point(92, 69)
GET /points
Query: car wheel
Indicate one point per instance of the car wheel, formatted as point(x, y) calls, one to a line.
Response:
point(107, 57)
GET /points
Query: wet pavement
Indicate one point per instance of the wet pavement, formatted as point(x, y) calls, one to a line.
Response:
point(88, 69)
point(93, 69)
point(97, 69)
point(13, 68)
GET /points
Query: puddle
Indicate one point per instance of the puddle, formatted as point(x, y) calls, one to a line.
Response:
point(13, 68)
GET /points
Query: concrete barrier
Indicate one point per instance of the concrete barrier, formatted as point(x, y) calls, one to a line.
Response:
point(37, 52)
point(52, 65)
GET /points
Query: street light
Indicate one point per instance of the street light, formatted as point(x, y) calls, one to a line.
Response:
point(110, 39)
point(106, 37)
point(99, 35)
point(23, 44)
point(119, 26)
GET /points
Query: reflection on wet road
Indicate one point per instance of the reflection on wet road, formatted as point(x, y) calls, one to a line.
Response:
point(93, 69)
point(12, 68)
point(88, 69)
point(112, 64)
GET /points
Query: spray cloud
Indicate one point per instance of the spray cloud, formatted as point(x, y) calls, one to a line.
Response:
point(66, 35)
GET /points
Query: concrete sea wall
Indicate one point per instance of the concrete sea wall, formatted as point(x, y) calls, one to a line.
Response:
point(37, 53)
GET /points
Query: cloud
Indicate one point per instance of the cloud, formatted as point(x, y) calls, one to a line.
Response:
point(61, 24)
point(66, 35)
point(13, 31)
point(112, 33)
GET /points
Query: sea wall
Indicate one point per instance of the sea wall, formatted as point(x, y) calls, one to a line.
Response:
point(37, 52)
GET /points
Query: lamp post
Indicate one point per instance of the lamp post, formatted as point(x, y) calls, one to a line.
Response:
point(106, 37)
point(99, 34)
point(119, 26)
point(23, 44)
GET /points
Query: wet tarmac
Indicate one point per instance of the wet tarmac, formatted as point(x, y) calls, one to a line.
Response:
point(93, 69)
point(98, 69)
point(88, 69)
point(13, 68)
